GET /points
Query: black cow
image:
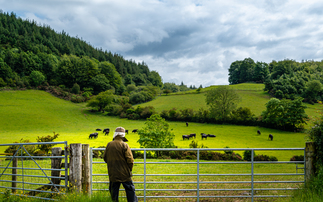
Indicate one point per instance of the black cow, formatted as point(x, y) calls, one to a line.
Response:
point(186, 137)
point(204, 135)
point(193, 135)
point(210, 135)
point(271, 137)
point(186, 123)
point(258, 131)
point(106, 131)
point(126, 131)
point(134, 130)
point(93, 135)
point(98, 129)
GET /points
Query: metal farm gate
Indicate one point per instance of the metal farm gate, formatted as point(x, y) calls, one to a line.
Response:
point(30, 174)
point(194, 179)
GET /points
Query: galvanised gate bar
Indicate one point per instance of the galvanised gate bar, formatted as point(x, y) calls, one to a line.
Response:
point(211, 179)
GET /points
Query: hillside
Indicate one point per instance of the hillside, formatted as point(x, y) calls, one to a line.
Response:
point(59, 59)
point(252, 96)
point(32, 113)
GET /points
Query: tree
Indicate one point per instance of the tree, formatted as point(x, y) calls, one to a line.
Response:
point(101, 100)
point(36, 78)
point(75, 89)
point(222, 101)
point(312, 90)
point(167, 91)
point(285, 114)
point(99, 83)
point(156, 134)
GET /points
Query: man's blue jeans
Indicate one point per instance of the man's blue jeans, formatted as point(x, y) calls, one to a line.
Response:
point(128, 186)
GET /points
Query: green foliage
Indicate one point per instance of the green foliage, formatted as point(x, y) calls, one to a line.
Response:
point(222, 101)
point(31, 149)
point(63, 59)
point(167, 91)
point(297, 158)
point(75, 89)
point(194, 144)
point(156, 134)
point(316, 135)
point(285, 114)
point(46, 147)
point(101, 101)
point(2, 83)
point(36, 78)
point(247, 155)
point(172, 87)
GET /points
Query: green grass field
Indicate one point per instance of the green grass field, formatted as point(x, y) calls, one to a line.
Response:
point(252, 96)
point(31, 113)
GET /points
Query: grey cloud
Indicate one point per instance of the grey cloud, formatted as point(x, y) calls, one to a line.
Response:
point(193, 41)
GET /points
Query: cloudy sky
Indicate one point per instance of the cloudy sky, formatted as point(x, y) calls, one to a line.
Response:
point(193, 41)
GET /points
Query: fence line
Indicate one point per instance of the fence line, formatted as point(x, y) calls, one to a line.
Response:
point(250, 192)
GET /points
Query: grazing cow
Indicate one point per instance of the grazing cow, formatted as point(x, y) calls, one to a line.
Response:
point(271, 137)
point(210, 135)
point(93, 135)
point(204, 135)
point(186, 123)
point(126, 131)
point(193, 135)
point(186, 137)
point(106, 131)
point(258, 131)
point(98, 129)
point(134, 130)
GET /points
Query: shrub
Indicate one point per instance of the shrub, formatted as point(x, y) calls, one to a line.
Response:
point(98, 154)
point(2, 83)
point(75, 89)
point(247, 155)
point(229, 152)
point(297, 158)
point(262, 157)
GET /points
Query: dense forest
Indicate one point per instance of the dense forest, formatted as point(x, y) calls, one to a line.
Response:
point(32, 54)
point(283, 79)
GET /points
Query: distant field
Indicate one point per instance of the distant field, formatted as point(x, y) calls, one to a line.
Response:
point(28, 114)
point(252, 96)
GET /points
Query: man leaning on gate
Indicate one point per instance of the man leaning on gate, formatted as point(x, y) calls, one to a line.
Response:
point(119, 160)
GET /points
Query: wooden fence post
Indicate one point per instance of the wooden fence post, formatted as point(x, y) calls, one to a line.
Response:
point(86, 183)
point(56, 164)
point(14, 174)
point(309, 160)
point(75, 166)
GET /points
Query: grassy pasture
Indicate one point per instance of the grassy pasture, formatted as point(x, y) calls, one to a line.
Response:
point(31, 113)
point(252, 96)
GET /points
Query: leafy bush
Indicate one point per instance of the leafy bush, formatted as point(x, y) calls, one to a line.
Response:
point(297, 158)
point(75, 89)
point(262, 157)
point(247, 155)
point(229, 152)
point(98, 154)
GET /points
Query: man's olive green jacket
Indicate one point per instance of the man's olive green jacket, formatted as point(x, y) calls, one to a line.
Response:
point(119, 160)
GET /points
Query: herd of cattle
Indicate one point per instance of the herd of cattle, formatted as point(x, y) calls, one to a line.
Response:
point(106, 131)
point(203, 135)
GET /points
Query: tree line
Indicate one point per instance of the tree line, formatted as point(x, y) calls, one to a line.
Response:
point(32, 54)
point(283, 79)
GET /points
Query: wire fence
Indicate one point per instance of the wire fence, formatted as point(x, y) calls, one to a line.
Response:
point(194, 180)
point(30, 174)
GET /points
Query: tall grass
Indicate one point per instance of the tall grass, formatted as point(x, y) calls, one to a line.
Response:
point(103, 196)
point(312, 191)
